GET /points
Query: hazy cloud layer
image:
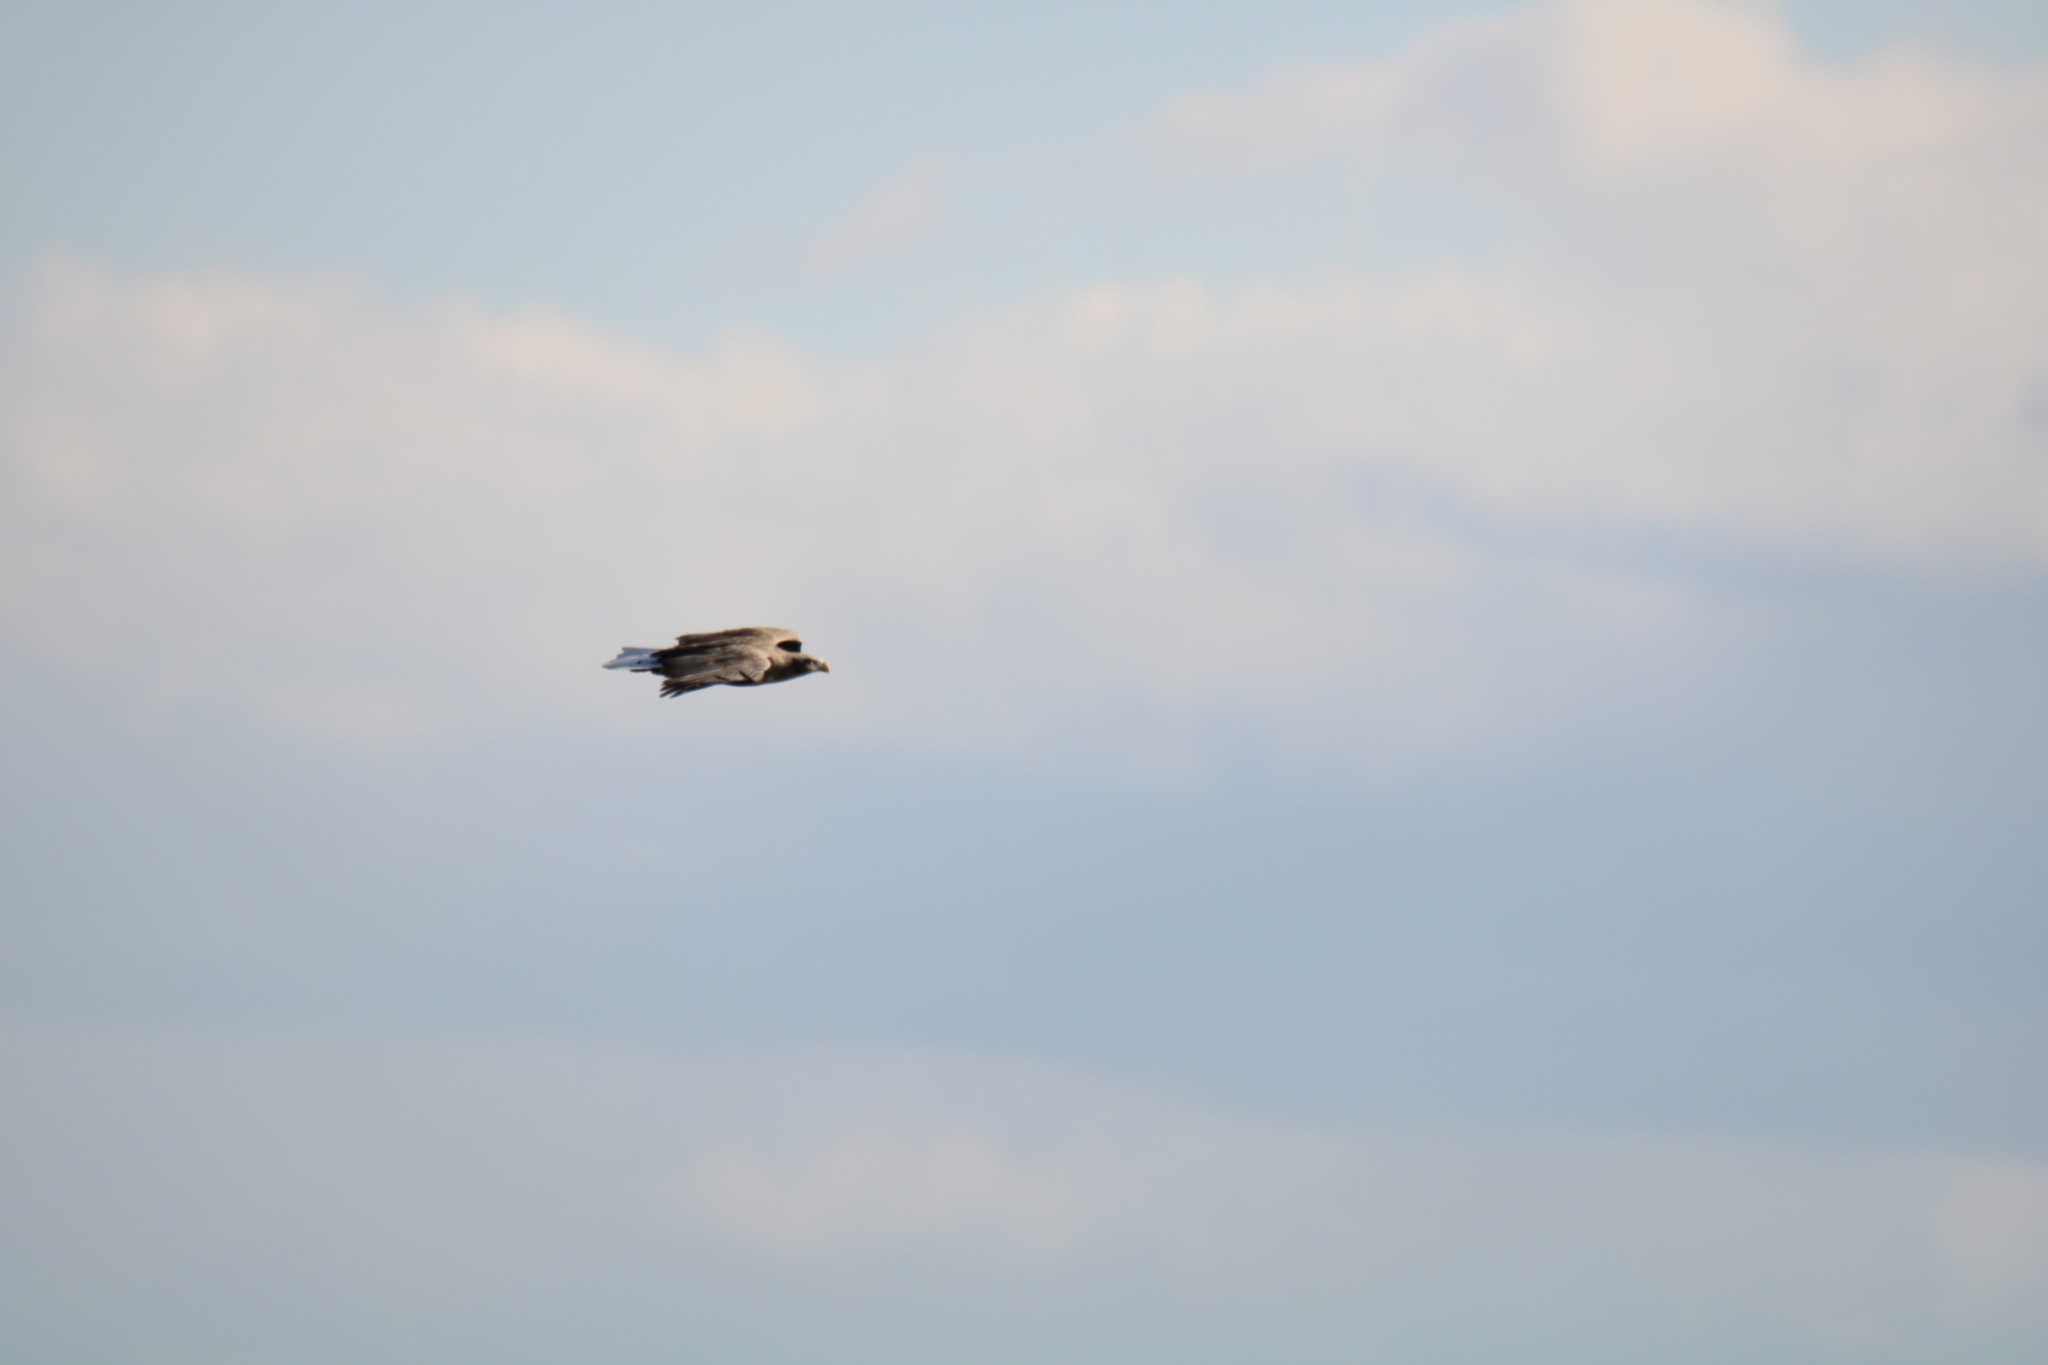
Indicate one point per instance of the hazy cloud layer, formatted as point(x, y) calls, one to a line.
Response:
point(1730, 286)
point(1743, 297)
point(888, 217)
point(1465, 794)
point(377, 498)
point(473, 1192)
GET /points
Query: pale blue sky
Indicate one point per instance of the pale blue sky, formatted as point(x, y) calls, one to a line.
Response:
point(1435, 749)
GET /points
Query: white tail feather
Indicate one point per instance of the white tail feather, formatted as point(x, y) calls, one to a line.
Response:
point(635, 657)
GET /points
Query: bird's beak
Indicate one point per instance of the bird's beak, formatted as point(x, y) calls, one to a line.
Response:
point(824, 667)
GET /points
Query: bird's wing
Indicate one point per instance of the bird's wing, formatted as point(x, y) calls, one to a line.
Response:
point(732, 665)
point(721, 639)
point(676, 687)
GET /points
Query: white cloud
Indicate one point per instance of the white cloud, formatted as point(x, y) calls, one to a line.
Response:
point(1738, 288)
point(1754, 300)
point(889, 216)
point(872, 1191)
point(1992, 1233)
point(935, 1207)
point(1623, 87)
point(327, 512)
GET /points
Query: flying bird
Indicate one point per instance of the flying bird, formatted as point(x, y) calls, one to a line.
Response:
point(747, 657)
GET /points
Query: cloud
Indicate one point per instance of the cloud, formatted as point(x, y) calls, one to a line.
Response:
point(862, 1192)
point(1992, 1246)
point(513, 1200)
point(1729, 286)
point(1620, 88)
point(1745, 303)
point(321, 510)
point(889, 216)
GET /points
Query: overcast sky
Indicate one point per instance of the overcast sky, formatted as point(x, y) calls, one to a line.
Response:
point(1435, 749)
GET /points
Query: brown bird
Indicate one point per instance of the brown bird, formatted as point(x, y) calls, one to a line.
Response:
point(747, 657)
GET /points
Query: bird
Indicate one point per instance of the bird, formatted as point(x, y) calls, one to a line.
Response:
point(750, 656)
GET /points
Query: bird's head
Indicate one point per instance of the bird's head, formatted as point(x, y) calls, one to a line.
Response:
point(800, 663)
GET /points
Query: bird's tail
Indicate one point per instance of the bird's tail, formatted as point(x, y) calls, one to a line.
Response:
point(640, 660)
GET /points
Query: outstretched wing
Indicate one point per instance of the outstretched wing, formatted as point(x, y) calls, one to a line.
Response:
point(675, 687)
point(757, 637)
point(733, 665)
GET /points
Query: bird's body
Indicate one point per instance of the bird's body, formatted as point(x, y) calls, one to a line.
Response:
point(750, 656)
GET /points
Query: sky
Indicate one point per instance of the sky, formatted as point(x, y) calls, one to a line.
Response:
point(1435, 746)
